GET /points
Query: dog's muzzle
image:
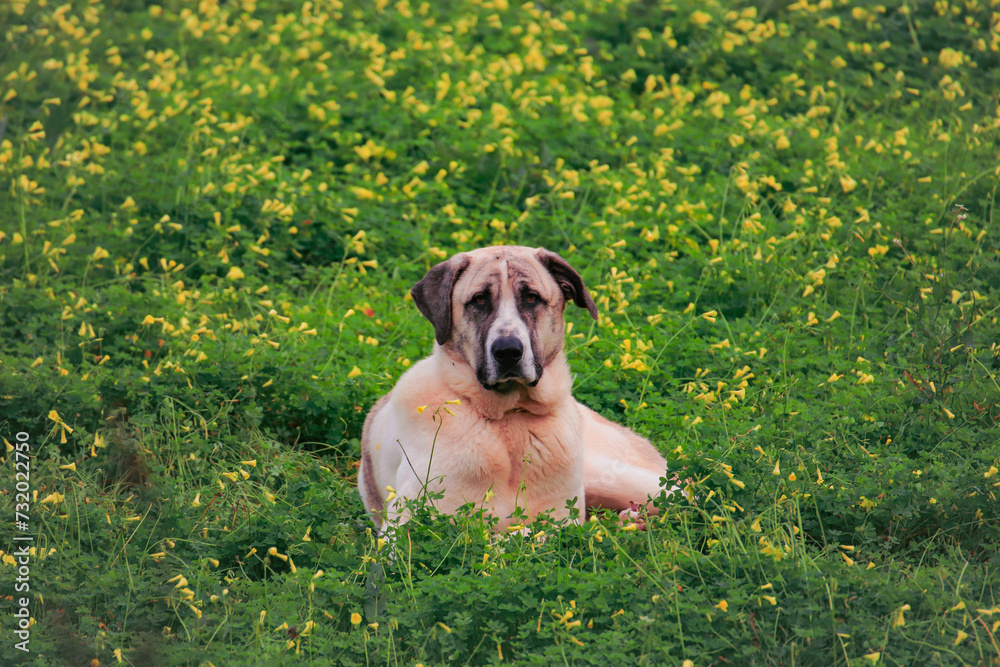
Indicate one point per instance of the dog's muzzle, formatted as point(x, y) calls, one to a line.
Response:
point(507, 352)
point(507, 357)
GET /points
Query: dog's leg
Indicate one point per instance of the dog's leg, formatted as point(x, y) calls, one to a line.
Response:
point(622, 487)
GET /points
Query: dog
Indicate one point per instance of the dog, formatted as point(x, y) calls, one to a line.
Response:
point(489, 417)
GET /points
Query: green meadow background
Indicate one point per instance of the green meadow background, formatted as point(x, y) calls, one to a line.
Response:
point(211, 214)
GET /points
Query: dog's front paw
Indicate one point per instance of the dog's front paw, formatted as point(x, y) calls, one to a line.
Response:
point(632, 518)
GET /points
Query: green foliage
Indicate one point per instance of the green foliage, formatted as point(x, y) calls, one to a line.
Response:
point(212, 213)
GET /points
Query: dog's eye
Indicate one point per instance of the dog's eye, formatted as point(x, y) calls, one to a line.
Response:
point(530, 298)
point(480, 299)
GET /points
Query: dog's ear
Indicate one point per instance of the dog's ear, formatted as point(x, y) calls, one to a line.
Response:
point(432, 294)
point(569, 280)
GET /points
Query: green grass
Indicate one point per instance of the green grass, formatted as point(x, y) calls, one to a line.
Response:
point(211, 215)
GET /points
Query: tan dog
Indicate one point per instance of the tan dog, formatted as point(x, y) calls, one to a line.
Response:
point(518, 438)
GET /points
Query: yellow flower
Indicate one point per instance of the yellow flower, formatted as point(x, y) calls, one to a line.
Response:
point(701, 18)
point(355, 619)
point(878, 250)
point(235, 273)
point(950, 57)
point(723, 605)
point(355, 372)
point(899, 621)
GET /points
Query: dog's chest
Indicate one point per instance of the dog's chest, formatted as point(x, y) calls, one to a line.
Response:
point(524, 448)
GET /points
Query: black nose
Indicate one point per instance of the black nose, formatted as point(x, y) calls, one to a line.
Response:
point(507, 350)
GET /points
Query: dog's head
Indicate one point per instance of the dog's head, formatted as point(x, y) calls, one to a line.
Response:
point(501, 310)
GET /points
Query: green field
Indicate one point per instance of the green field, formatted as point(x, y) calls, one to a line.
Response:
point(211, 214)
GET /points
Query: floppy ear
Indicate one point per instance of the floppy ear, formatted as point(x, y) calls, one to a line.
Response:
point(432, 294)
point(569, 280)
